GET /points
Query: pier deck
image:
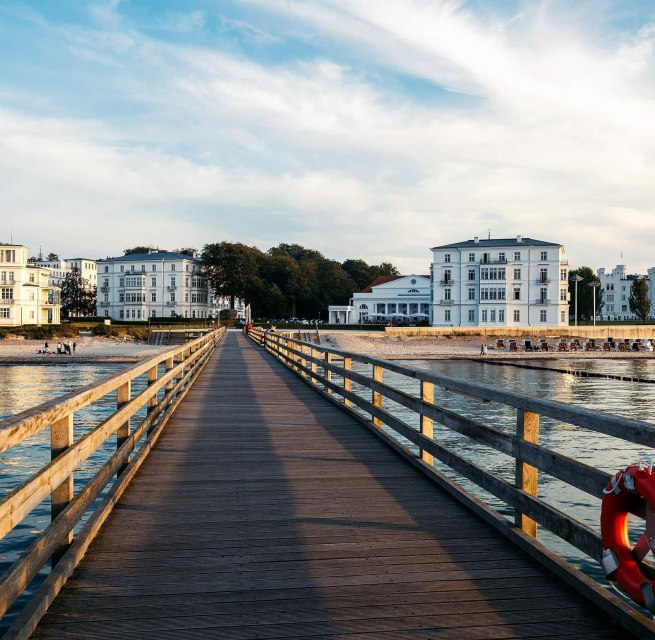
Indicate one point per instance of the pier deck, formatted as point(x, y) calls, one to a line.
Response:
point(266, 512)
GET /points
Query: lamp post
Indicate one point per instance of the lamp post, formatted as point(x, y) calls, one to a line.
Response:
point(594, 286)
point(576, 278)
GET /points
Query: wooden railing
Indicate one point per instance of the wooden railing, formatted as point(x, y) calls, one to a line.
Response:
point(57, 544)
point(321, 365)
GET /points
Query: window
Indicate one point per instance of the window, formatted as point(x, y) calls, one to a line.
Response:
point(471, 293)
point(517, 255)
point(153, 282)
point(471, 257)
point(131, 267)
point(562, 316)
point(6, 294)
point(562, 275)
point(121, 314)
point(471, 275)
point(517, 293)
point(544, 255)
point(471, 315)
point(153, 297)
point(484, 315)
point(517, 315)
point(542, 315)
point(446, 257)
point(172, 297)
point(517, 274)
point(106, 268)
point(447, 315)
point(492, 315)
point(447, 276)
point(143, 267)
point(543, 296)
point(106, 313)
point(154, 267)
point(562, 295)
point(152, 313)
point(122, 268)
point(4, 312)
point(501, 256)
point(543, 275)
point(446, 294)
point(501, 315)
point(172, 267)
point(172, 282)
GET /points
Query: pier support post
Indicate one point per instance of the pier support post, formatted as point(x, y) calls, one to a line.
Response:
point(427, 425)
point(61, 437)
point(527, 428)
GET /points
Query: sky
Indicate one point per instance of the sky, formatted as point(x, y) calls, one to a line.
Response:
point(370, 129)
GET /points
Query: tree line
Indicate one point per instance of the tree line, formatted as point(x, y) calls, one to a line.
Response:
point(288, 280)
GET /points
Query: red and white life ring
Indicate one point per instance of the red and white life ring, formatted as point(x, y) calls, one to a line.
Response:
point(621, 562)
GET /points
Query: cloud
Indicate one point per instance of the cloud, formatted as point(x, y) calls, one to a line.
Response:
point(536, 125)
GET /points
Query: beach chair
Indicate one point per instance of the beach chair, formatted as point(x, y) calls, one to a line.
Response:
point(607, 346)
point(500, 344)
point(527, 345)
point(544, 345)
point(512, 345)
point(562, 346)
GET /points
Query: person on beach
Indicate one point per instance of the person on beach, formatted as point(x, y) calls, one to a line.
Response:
point(74, 347)
point(483, 349)
point(59, 347)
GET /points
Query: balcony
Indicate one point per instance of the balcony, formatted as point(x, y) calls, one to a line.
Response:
point(103, 304)
point(446, 302)
point(4, 302)
point(543, 281)
point(170, 303)
point(172, 287)
point(448, 282)
point(490, 261)
point(543, 302)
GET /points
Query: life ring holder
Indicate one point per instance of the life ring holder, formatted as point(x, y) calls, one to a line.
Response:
point(621, 562)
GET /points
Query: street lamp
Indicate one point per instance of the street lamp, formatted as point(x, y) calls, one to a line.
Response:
point(594, 286)
point(576, 278)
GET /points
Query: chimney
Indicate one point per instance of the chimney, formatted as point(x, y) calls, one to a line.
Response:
point(519, 239)
point(476, 239)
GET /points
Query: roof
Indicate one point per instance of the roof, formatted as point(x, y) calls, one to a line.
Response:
point(155, 255)
point(384, 279)
point(498, 242)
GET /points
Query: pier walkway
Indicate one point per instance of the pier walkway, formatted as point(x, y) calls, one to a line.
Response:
point(266, 512)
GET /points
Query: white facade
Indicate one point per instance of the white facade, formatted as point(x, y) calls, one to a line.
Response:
point(26, 295)
point(499, 283)
point(389, 298)
point(156, 284)
point(59, 269)
point(616, 287)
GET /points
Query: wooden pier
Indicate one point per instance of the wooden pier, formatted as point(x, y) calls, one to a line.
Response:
point(264, 511)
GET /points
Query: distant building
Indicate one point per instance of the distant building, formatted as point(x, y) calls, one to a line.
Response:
point(616, 287)
point(499, 283)
point(26, 295)
point(156, 284)
point(388, 298)
point(59, 269)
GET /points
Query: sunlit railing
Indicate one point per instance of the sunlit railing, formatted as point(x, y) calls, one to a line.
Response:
point(323, 366)
point(57, 543)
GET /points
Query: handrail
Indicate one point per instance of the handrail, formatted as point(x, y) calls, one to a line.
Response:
point(55, 479)
point(318, 365)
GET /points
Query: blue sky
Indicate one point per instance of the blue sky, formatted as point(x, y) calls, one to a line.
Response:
point(362, 128)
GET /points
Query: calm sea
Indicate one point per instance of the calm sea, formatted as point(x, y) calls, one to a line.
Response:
point(23, 387)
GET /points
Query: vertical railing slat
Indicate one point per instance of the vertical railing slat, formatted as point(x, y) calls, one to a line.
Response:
point(61, 437)
point(427, 425)
point(527, 476)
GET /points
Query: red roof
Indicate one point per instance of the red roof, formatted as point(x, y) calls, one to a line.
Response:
point(378, 281)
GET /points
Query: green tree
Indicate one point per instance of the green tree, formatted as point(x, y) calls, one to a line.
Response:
point(52, 257)
point(140, 249)
point(78, 297)
point(187, 251)
point(231, 268)
point(638, 300)
point(585, 293)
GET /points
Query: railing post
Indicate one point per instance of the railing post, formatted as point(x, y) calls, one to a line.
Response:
point(61, 437)
point(427, 425)
point(171, 383)
point(302, 361)
point(152, 403)
point(347, 382)
point(327, 373)
point(527, 428)
point(377, 396)
point(314, 367)
point(124, 394)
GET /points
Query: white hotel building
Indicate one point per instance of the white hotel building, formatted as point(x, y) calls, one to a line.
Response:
point(60, 268)
point(499, 283)
point(156, 284)
point(26, 295)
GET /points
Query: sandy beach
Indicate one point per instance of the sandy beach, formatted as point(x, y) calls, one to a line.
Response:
point(452, 347)
point(89, 349)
